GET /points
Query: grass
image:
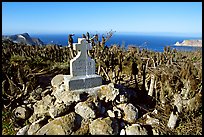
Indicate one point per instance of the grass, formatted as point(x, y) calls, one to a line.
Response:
point(7, 124)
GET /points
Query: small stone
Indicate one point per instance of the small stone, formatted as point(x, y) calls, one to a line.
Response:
point(22, 112)
point(103, 126)
point(135, 129)
point(108, 92)
point(111, 113)
point(122, 132)
point(130, 112)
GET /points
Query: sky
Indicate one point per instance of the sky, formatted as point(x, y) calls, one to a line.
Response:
point(130, 17)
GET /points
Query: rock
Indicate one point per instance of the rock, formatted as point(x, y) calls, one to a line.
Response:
point(23, 131)
point(60, 126)
point(135, 129)
point(85, 109)
point(35, 117)
point(108, 92)
point(58, 109)
point(84, 129)
point(35, 126)
point(103, 126)
point(43, 106)
point(35, 94)
point(66, 97)
point(130, 112)
point(57, 81)
point(111, 113)
point(22, 112)
point(152, 121)
point(122, 132)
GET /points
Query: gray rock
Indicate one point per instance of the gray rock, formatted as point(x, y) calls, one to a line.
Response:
point(85, 109)
point(130, 112)
point(35, 126)
point(103, 126)
point(57, 81)
point(152, 121)
point(135, 129)
point(43, 106)
point(60, 126)
point(58, 109)
point(22, 112)
point(84, 128)
point(108, 92)
point(35, 117)
point(66, 97)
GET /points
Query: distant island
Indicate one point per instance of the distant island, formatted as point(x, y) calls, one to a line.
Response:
point(23, 38)
point(193, 43)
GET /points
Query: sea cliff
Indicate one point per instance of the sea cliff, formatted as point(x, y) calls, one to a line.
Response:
point(193, 43)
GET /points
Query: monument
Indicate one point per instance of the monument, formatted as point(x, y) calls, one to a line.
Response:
point(82, 68)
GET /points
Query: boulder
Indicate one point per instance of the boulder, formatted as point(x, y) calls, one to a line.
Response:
point(60, 126)
point(130, 112)
point(152, 121)
point(35, 126)
point(84, 128)
point(58, 109)
point(104, 126)
point(66, 97)
point(43, 106)
point(85, 109)
point(135, 129)
point(108, 92)
point(57, 81)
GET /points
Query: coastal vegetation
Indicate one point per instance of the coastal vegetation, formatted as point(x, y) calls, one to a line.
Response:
point(157, 78)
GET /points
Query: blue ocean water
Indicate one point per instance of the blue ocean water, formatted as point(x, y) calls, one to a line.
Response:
point(154, 43)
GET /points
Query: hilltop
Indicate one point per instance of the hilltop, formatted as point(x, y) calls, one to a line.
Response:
point(23, 38)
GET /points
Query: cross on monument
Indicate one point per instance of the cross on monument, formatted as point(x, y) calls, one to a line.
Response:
point(82, 64)
point(82, 68)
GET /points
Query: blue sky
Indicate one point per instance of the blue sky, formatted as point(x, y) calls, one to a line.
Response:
point(72, 17)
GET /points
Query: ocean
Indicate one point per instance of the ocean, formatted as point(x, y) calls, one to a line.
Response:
point(154, 43)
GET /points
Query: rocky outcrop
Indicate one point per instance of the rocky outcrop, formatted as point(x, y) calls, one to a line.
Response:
point(193, 43)
point(24, 38)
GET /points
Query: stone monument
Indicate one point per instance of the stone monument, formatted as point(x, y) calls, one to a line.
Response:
point(82, 68)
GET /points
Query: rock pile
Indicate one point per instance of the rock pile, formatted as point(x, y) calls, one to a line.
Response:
point(103, 110)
